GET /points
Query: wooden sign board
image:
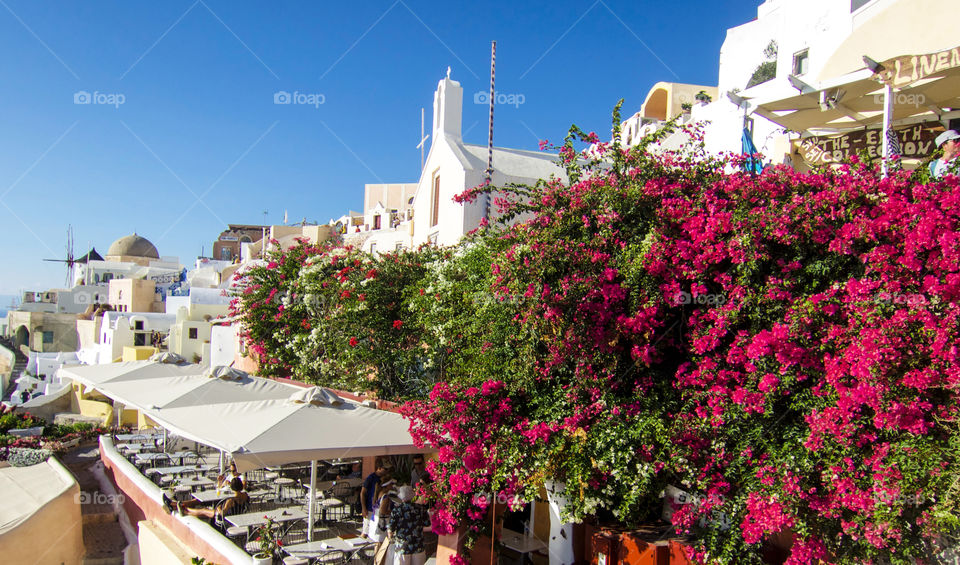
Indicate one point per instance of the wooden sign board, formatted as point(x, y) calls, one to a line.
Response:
point(908, 69)
point(916, 142)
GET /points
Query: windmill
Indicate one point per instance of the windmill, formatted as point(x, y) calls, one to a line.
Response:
point(69, 260)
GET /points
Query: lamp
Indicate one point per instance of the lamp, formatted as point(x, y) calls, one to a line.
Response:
point(874, 66)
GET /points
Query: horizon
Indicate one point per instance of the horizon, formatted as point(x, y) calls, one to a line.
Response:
point(174, 120)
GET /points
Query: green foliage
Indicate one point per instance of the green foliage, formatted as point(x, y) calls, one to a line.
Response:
point(18, 420)
point(764, 72)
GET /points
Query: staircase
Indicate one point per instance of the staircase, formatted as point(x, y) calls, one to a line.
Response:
point(19, 365)
point(103, 537)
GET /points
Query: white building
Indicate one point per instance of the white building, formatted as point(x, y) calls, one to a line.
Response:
point(190, 334)
point(451, 167)
point(130, 257)
point(386, 221)
point(116, 330)
point(804, 45)
point(74, 300)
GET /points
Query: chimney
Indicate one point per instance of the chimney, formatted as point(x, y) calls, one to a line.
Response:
point(447, 109)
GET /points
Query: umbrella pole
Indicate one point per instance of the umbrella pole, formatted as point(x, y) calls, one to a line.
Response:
point(220, 462)
point(313, 499)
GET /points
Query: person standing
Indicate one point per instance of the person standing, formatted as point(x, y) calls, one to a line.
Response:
point(367, 492)
point(948, 163)
point(382, 506)
point(419, 470)
point(407, 522)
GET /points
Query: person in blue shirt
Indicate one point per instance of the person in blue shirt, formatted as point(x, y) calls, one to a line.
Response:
point(948, 163)
point(367, 493)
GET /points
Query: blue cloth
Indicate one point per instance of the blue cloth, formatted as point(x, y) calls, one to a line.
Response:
point(753, 165)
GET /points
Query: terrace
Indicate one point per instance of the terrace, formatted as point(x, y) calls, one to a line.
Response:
point(300, 451)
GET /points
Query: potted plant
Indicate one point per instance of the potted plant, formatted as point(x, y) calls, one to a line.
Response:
point(268, 536)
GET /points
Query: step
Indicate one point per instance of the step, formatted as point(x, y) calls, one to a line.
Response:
point(104, 542)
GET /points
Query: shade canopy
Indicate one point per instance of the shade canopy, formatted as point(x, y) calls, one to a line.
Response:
point(258, 421)
point(95, 375)
point(856, 100)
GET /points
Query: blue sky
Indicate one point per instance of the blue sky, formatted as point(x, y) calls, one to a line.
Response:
point(198, 142)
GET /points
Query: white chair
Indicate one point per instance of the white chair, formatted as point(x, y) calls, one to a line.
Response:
point(235, 533)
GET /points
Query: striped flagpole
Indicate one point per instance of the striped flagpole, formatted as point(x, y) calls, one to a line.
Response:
point(488, 174)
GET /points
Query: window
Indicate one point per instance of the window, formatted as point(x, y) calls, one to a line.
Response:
point(801, 62)
point(376, 222)
point(373, 248)
point(47, 337)
point(435, 202)
point(138, 325)
point(225, 254)
point(399, 247)
point(139, 339)
point(192, 333)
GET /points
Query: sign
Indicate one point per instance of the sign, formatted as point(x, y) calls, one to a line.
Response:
point(916, 142)
point(907, 69)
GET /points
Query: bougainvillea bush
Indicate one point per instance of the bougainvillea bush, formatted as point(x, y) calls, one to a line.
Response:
point(782, 346)
point(340, 317)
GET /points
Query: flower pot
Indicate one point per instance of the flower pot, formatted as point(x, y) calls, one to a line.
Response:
point(262, 559)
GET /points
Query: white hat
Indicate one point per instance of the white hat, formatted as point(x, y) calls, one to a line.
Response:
point(405, 493)
point(947, 136)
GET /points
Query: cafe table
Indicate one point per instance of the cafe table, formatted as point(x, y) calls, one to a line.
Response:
point(216, 495)
point(192, 482)
point(520, 543)
point(256, 519)
point(137, 437)
point(181, 469)
point(315, 548)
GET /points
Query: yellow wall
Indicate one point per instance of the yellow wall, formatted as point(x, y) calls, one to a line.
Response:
point(137, 352)
point(130, 417)
point(144, 421)
point(88, 407)
point(132, 295)
point(665, 100)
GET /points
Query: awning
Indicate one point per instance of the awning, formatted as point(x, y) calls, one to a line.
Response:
point(93, 376)
point(276, 432)
point(923, 88)
point(258, 421)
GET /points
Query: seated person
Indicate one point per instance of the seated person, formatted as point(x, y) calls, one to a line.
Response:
point(228, 507)
point(355, 473)
point(227, 477)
